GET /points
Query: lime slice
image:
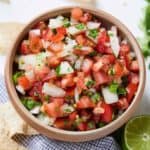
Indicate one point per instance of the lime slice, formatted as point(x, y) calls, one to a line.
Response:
point(137, 134)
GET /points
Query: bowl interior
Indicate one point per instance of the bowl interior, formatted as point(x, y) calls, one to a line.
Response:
point(107, 21)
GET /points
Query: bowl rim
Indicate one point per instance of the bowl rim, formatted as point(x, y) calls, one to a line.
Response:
point(60, 134)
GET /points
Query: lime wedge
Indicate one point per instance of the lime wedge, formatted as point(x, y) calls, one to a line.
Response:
point(137, 134)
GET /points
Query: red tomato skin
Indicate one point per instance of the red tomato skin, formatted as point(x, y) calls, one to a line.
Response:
point(103, 37)
point(61, 30)
point(53, 110)
point(124, 49)
point(82, 126)
point(122, 104)
point(24, 49)
point(36, 90)
point(24, 82)
point(72, 116)
point(131, 90)
point(62, 123)
point(134, 66)
point(47, 34)
point(101, 77)
point(106, 117)
point(84, 103)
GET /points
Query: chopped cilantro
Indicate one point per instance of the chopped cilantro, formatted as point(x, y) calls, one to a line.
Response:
point(58, 70)
point(91, 125)
point(111, 71)
point(121, 91)
point(101, 124)
point(66, 22)
point(113, 87)
point(90, 83)
point(16, 76)
point(93, 33)
point(29, 103)
point(80, 26)
point(96, 97)
point(78, 46)
point(92, 54)
point(47, 98)
point(149, 66)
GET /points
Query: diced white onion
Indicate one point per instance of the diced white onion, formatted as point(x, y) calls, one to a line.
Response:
point(56, 22)
point(53, 90)
point(30, 74)
point(46, 120)
point(76, 95)
point(114, 41)
point(93, 25)
point(78, 63)
point(109, 97)
point(36, 32)
point(35, 110)
point(67, 108)
point(65, 68)
point(20, 89)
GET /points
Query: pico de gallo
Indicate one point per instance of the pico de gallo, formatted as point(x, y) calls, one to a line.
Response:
point(72, 73)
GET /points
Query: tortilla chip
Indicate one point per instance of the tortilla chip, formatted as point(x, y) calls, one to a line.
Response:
point(5, 142)
point(15, 124)
point(8, 33)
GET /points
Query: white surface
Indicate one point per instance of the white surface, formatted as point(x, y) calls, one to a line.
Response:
point(128, 11)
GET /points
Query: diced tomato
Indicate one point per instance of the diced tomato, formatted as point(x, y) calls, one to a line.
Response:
point(91, 125)
point(51, 75)
point(62, 123)
point(53, 109)
point(36, 91)
point(24, 49)
point(125, 59)
point(133, 78)
point(118, 68)
point(124, 49)
point(106, 117)
point(76, 13)
point(101, 77)
point(42, 72)
point(24, 82)
point(103, 37)
point(80, 82)
point(57, 37)
point(85, 115)
point(85, 18)
point(85, 102)
point(67, 81)
point(53, 61)
point(134, 66)
point(61, 30)
point(82, 126)
point(81, 40)
point(131, 90)
point(87, 65)
point(70, 91)
point(59, 101)
point(72, 116)
point(56, 47)
point(47, 34)
point(35, 43)
point(123, 104)
point(86, 51)
point(40, 25)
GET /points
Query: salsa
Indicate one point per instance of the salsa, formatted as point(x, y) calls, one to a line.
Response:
point(72, 73)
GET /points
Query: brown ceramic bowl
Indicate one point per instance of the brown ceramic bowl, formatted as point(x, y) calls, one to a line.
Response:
point(107, 20)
